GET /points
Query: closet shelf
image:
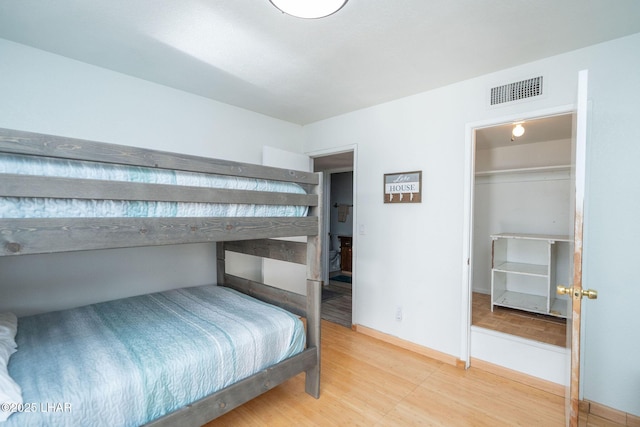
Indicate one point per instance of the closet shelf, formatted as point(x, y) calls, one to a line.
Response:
point(522, 301)
point(559, 168)
point(523, 268)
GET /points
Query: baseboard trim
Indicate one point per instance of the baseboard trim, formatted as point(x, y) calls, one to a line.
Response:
point(408, 345)
point(610, 414)
point(548, 386)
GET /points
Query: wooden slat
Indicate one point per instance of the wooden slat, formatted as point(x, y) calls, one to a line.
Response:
point(290, 301)
point(235, 395)
point(14, 185)
point(20, 142)
point(281, 250)
point(31, 236)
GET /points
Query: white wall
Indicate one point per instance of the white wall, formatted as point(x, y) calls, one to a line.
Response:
point(282, 274)
point(539, 154)
point(412, 255)
point(47, 93)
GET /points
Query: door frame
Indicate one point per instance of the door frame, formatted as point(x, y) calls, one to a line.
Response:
point(468, 194)
point(327, 218)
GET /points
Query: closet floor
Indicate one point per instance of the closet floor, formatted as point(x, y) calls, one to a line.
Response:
point(547, 329)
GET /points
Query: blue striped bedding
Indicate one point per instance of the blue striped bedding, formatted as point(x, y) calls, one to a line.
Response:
point(127, 362)
point(14, 207)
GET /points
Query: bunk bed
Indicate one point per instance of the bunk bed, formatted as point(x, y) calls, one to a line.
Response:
point(61, 194)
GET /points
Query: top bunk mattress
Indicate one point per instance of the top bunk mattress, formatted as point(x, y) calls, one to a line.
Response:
point(130, 361)
point(31, 207)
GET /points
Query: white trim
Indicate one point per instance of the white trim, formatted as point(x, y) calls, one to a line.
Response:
point(334, 150)
point(520, 340)
point(325, 249)
point(467, 231)
point(467, 245)
point(540, 360)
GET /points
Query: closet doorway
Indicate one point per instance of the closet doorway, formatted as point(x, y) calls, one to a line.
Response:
point(522, 220)
point(338, 243)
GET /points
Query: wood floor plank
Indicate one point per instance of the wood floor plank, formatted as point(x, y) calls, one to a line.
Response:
point(426, 406)
point(367, 382)
point(338, 309)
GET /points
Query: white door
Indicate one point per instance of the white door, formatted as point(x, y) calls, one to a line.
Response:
point(285, 275)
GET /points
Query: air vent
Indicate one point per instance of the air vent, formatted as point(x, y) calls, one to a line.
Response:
point(516, 91)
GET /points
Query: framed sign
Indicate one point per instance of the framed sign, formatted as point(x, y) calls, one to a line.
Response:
point(405, 187)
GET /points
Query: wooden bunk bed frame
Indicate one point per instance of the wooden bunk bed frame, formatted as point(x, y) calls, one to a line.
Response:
point(248, 235)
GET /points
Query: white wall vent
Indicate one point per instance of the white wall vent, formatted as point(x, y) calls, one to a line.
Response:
point(516, 91)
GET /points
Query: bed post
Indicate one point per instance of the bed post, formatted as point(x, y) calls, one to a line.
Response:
point(314, 294)
point(220, 263)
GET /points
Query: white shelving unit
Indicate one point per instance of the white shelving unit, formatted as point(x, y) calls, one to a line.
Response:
point(523, 272)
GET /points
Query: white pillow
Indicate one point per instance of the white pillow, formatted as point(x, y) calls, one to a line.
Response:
point(9, 391)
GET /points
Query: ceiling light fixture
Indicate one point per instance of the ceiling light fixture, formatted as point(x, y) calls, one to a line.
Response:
point(309, 9)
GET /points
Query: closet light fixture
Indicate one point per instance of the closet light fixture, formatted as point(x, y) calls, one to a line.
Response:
point(518, 130)
point(309, 9)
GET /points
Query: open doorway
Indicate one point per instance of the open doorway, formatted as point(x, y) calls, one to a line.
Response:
point(522, 219)
point(338, 171)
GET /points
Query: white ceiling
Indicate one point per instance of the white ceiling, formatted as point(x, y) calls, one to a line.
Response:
point(248, 54)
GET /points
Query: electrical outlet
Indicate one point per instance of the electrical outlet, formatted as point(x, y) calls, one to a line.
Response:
point(398, 313)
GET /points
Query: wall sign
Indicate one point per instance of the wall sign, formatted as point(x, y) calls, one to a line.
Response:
point(405, 187)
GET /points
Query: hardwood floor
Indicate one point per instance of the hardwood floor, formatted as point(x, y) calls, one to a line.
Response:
point(547, 329)
point(367, 382)
point(338, 308)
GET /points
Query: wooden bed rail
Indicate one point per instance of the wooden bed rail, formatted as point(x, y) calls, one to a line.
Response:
point(30, 143)
point(217, 404)
point(15, 185)
point(34, 236)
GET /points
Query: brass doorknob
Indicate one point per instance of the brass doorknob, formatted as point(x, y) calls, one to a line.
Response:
point(564, 290)
point(577, 293)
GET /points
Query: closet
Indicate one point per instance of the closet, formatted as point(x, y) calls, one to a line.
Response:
point(523, 216)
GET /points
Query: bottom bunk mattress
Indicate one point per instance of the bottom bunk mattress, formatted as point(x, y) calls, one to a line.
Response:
point(129, 361)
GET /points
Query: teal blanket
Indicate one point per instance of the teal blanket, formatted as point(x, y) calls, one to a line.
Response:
point(127, 362)
point(29, 207)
